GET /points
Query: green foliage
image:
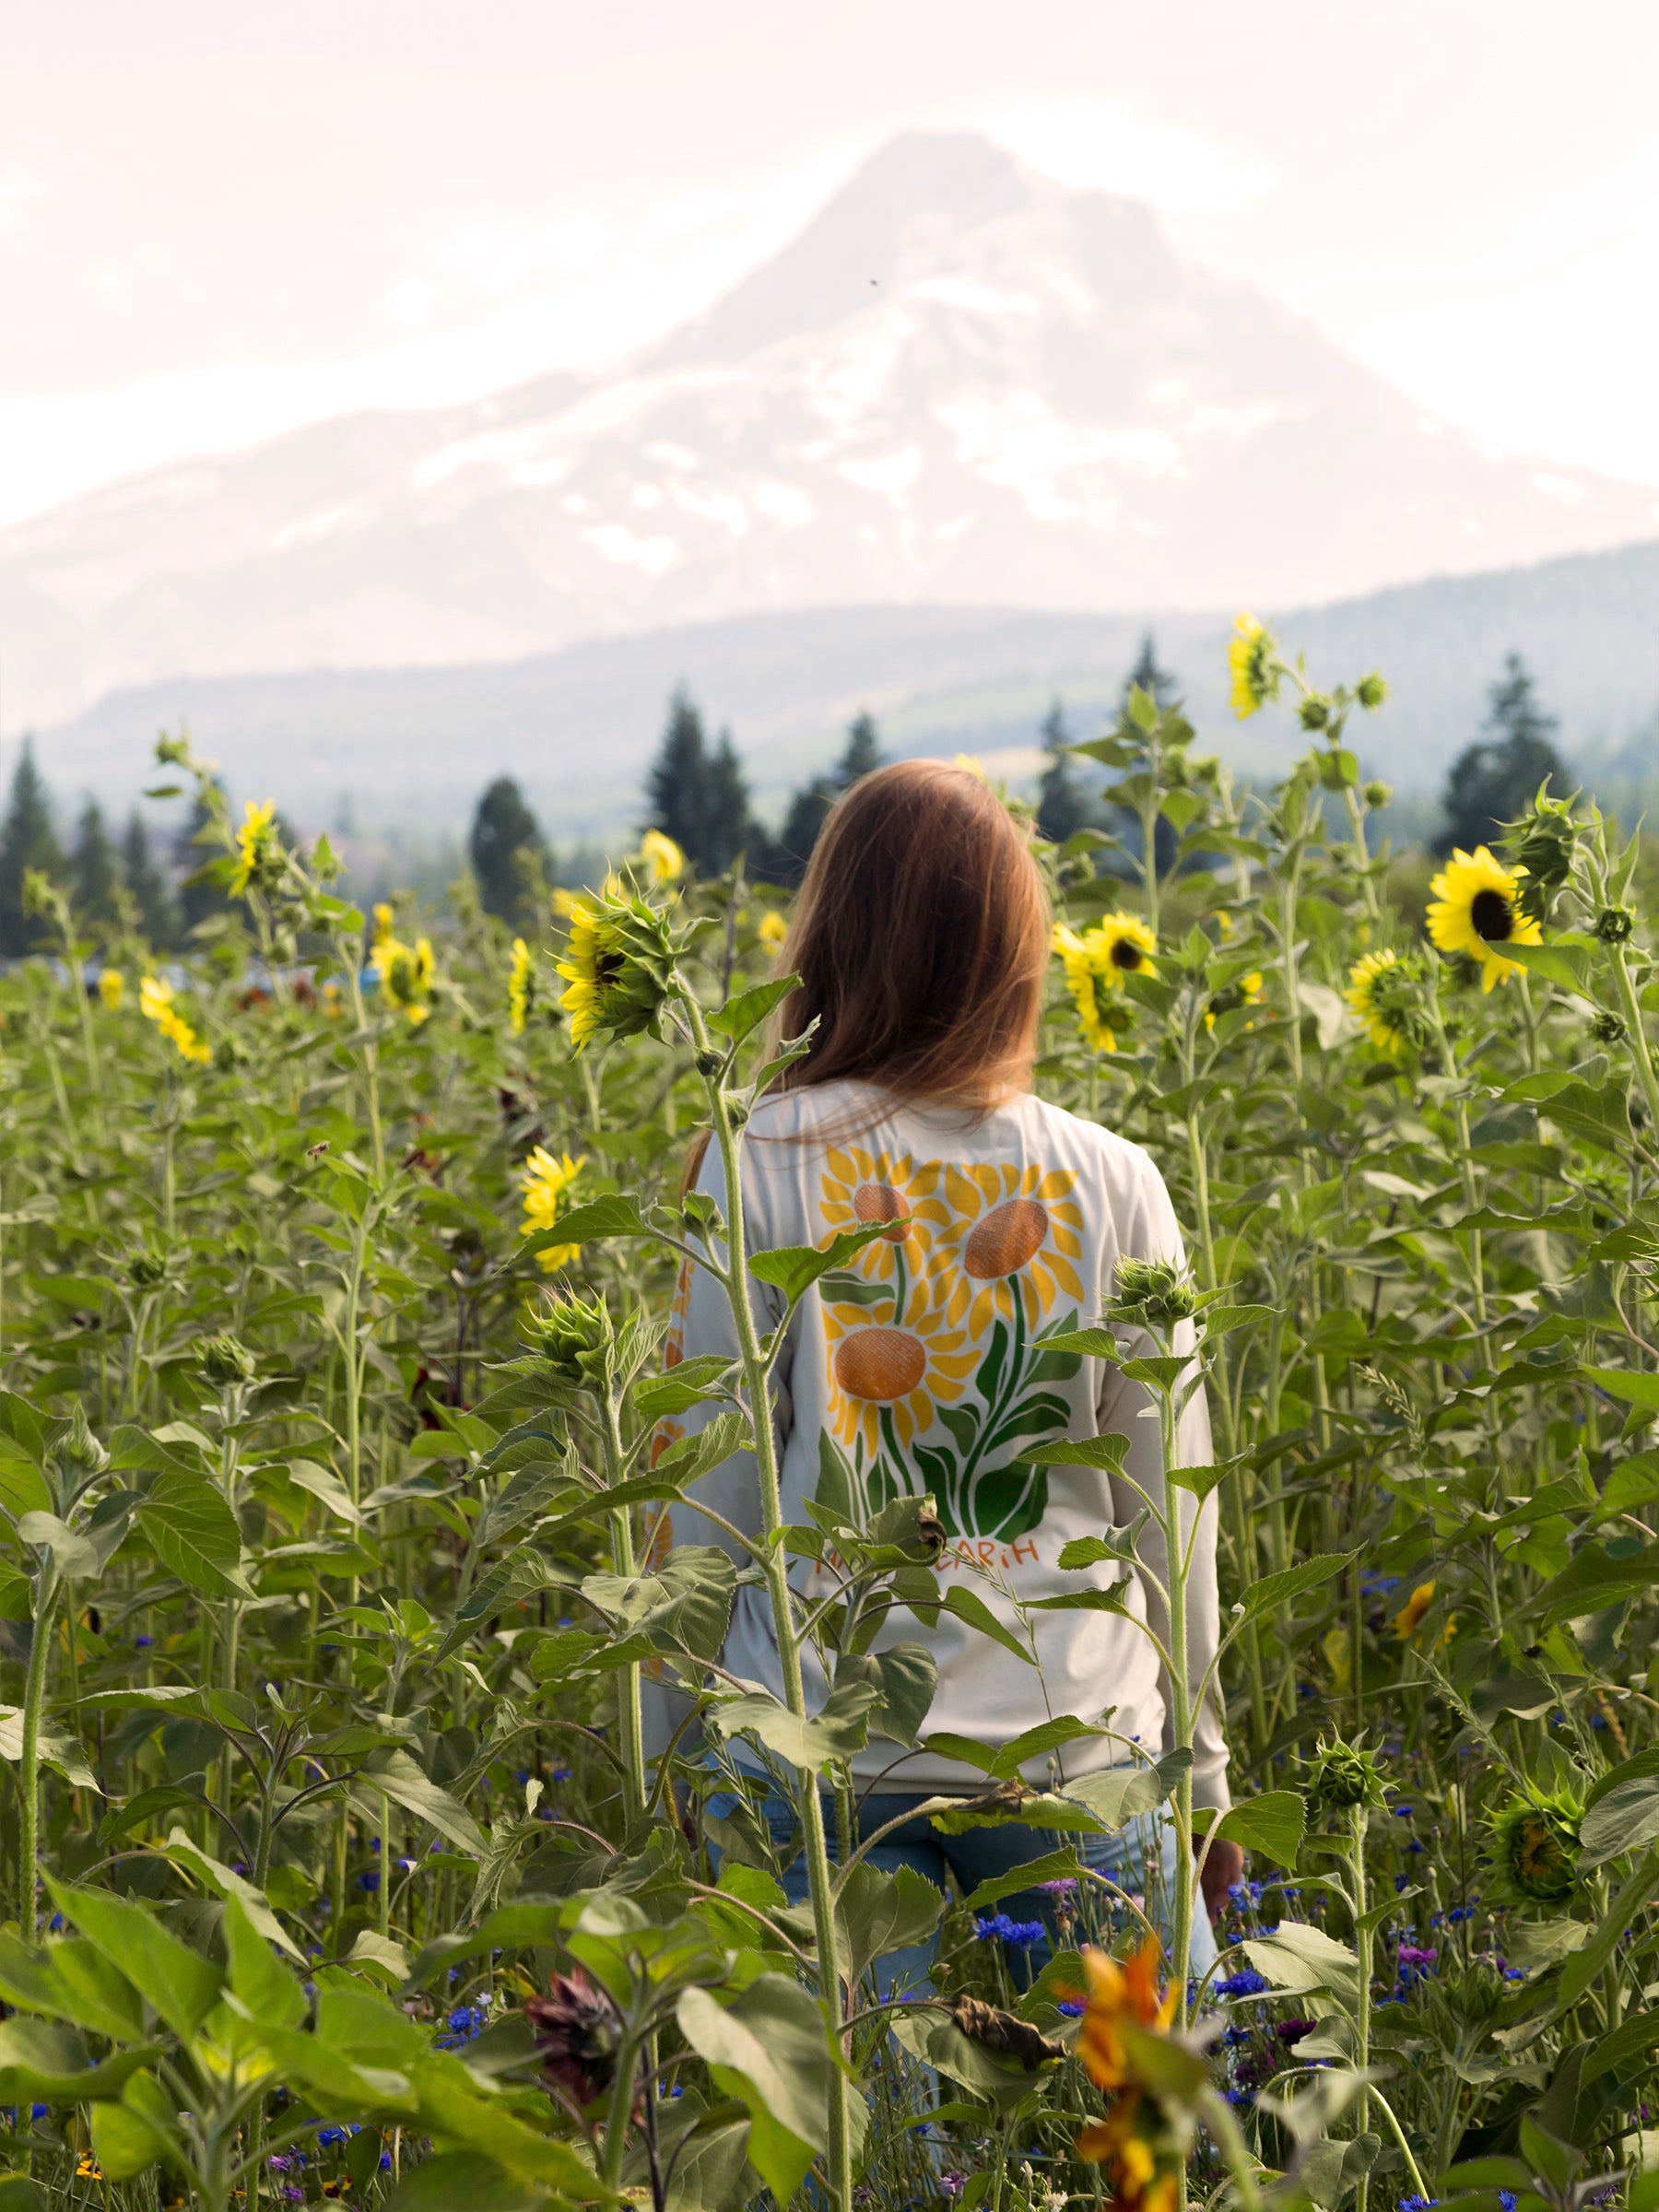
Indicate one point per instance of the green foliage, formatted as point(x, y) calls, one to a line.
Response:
point(331, 1586)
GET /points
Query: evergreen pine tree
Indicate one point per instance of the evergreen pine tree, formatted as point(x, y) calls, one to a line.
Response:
point(27, 841)
point(146, 885)
point(1062, 805)
point(94, 873)
point(1492, 780)
point(728, 827)
point(863, 752)
point(509, 854)
point(198, 902)
point(677, 789)
point(1149, 675)
point(785, 862)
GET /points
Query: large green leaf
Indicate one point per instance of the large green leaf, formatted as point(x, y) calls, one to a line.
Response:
point(1116, 1795)
point(1272, 1824)
point(396, 1775)
point(178, 1984)
point(466, 2178)
point(771, 2049)
point(881, 1912)
point(839, 1729)
point(1302, 1960)
point(794, 1268)
point(194, 1532)
point(1276, 1590)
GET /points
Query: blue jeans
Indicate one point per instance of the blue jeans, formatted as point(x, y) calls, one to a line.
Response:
point(982, 1854)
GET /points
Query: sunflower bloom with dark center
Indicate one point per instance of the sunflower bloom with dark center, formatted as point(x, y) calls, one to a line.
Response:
point(616, 966)
point(1477, 909)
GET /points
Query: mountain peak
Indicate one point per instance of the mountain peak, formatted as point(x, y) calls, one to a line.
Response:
point(900, 210)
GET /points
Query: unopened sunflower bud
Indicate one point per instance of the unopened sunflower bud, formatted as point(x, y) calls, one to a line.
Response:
point(1151, 1294)
point(1539, 848)
point(1346, 1775)
point(1536, 1846)
point(1378, 794)
point(709, 1064)
point(224, 1361)
point(1606, 1029)
point(1615, 924)
point(573, 1335)
point(1370, 691)
point(1314, 713)
point(145, 1269)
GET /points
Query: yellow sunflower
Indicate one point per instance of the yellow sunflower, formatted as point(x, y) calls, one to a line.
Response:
point(546, 1184)
point(894, 1373)
point(405, 973)
point(258, 851)
point(111, 988)
point(156, 1003)
point(520, 981)
point(1018, 1234)
point(1365, 994)
point(1475, 911)
point(661, 858)
point(1096, 964)
point(1250, 655)
point(859, 1187)
point(772, 931)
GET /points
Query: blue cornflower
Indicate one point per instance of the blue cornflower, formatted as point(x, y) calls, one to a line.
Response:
point(1416, 2203)
point(1402, 1881)
point(1506, 2200)
point(328, 2136)
point(1246, 1982)
point(142, 1643)
point(370, 1879)
point(1072, 2007)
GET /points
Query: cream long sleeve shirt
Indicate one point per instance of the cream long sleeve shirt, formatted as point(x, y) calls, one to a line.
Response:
point(922, 1368)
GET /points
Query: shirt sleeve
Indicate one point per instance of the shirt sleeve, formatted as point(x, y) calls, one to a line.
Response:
point(701, 1322)
point(1151, 1233)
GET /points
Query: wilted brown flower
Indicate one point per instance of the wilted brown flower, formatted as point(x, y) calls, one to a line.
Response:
point(577, 2032)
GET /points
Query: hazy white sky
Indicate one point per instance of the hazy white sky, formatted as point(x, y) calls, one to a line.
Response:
point(219, 218)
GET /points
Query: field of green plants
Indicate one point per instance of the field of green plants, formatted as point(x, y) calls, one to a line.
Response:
point(338, 1433)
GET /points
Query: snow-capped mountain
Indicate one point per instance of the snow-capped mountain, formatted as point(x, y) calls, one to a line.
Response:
point(962, 383)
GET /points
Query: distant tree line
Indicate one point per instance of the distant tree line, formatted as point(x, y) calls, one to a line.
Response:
point(101, 874)
point(697, 794)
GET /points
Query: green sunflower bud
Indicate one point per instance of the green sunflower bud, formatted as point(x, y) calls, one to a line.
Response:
point(1151, 1294)
point(1314, 713)
point(1370, 691)
point(1343, 1776)
point(1536, 1846)
point(573, 1335)
point(1539, 848)
point(1378, 794)
point(1606, 1029)
point(224, 1361)
point(1615, 924)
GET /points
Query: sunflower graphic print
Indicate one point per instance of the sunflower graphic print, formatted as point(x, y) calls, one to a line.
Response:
point(931, 1362)
point(936, 1363)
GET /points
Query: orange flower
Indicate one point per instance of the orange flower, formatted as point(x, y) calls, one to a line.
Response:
point(1121, 1996)
point(1118, 2143)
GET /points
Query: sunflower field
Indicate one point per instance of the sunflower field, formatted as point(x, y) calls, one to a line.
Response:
point(338, 1430)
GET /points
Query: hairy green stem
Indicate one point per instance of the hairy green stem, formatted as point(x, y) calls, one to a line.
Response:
point(758, 1392)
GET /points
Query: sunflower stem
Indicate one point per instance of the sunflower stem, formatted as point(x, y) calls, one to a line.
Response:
point(758, 1393)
